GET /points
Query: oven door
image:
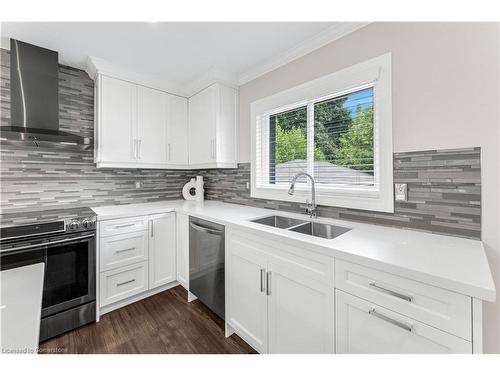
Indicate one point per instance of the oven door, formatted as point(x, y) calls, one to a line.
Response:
point(69, 279)
point(69, 273)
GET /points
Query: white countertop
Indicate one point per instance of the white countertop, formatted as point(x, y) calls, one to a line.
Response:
point(452, 263)
point(21, 308)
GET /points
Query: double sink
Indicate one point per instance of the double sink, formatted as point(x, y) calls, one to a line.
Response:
point(302, 226)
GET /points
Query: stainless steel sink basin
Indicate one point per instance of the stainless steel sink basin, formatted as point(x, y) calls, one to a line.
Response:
point(279, 221)
point(320, 230)
point(302, 226)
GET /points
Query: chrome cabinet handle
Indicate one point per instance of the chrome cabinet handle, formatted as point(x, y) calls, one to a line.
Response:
point(262, 277)
point(152, 228)
point(123, 226)
point(404, 326)
point(124, 250)
point(169, 157)
point(268, 283)
point(391, 292)
point(125, 282)
point(139, 148)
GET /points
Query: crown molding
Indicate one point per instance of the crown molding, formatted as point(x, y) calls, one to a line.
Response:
point(331, 34)
point(95, 65)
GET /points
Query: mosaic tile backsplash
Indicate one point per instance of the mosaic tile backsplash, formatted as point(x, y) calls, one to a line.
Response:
point(443, 185)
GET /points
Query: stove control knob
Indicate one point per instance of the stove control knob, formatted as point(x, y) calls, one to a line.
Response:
point(87, 223)
point(75, 224)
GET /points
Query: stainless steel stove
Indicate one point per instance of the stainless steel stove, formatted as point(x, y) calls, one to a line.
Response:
point(64, 240)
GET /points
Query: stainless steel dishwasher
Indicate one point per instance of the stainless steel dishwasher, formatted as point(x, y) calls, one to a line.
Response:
point(206, 263)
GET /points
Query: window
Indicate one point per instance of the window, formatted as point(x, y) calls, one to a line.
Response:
point(337, 128)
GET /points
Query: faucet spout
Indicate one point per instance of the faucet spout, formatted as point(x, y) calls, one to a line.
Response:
point(311, 207)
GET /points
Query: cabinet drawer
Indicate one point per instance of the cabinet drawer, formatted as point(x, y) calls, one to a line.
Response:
point(443, 309)
point(123, 249)
point(126, 225)
point(123, 282)
point(363, 327)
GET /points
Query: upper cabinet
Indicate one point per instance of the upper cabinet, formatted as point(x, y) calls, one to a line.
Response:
point(116, 122)
point(213, 124)
point(141, 127)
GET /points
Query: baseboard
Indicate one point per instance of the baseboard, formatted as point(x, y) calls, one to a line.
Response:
point(108, 308)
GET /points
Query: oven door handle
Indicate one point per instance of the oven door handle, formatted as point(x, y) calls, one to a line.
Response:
point(48, 243)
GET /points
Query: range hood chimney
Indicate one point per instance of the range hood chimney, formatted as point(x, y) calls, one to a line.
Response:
point(34, 87)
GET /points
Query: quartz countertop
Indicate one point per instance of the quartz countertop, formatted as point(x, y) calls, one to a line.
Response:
point(452, 263)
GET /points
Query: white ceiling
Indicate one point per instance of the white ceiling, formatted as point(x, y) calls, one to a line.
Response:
point(183, 54)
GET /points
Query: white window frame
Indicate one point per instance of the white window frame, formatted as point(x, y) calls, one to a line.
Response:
point(374, 73)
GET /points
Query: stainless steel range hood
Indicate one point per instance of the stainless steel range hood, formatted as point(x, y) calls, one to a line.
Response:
point(34, 87)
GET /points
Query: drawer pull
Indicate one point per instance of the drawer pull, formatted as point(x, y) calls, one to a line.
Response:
point(124, 226)
point(404, 326)
point(124, 250)
point(391, 292)
point(125, 282)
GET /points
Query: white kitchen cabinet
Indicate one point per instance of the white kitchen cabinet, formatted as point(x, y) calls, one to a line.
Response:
point(139, 127)
point(151, 126)
point(364, 327)
point(137, 258)
point(183, 250)
point(116, 121)
point(177, 131)
point(162, 266)
point(247, 293)
point(213, 122)
point(120, 283)
point(277, 302)
point(300, 311)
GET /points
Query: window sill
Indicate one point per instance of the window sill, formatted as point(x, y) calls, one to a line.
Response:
point(355, 199)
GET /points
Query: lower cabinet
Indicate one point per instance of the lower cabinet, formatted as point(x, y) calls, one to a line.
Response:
point(162, 265)
point(123, 282)
point(247, 293)
point(133, 262)
point(274, 303)
point(364, 327)
point(300, 311)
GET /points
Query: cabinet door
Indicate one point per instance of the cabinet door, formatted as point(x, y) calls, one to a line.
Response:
point(162, 268)
point(183, 250)
point(177, 130)
point(247, 309)
point(300, 311)
point(363, 327)
point(202, 126)
point(152, 126)
point(227, 125)
point(117, 120)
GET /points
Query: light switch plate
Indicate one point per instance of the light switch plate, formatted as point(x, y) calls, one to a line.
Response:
point(401, 192)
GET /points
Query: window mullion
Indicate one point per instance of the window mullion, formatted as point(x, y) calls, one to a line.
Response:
point(310, 138)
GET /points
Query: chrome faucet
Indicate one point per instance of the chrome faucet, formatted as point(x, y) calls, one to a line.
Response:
point(311, 209)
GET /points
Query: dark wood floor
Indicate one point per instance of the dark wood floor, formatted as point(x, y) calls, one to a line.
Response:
point(163, 323)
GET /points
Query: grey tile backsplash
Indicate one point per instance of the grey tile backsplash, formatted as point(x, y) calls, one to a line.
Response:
point(444, 186)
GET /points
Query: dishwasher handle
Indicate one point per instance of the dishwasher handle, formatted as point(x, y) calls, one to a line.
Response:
point(205, 229)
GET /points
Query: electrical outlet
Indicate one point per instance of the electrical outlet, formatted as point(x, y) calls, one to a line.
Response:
point(138, 184)
point(401, 192)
